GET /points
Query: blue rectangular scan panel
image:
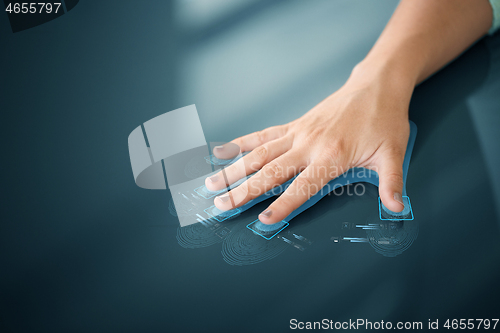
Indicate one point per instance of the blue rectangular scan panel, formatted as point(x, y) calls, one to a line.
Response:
point(387, 215)
point(221, 215)
point(267, 231)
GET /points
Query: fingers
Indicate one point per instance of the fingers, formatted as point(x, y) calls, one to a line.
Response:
point(227, 151)
point(308, 183)
point(249, 163)
point(248, 142)
point(271, 175)
point(391, 180)
point(253, 140)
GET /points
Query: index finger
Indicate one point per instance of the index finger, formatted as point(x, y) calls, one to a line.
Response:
point(307, 184)
point(251, 141)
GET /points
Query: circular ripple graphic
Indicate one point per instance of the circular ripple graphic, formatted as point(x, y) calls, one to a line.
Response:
point(195, 236)
point(242, 247)
point(183, 209)
point(393, 241)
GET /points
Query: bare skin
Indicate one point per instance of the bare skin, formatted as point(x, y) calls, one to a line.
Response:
point(365, 122)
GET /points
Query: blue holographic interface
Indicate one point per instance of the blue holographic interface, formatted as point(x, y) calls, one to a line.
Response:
point(206, 193)
point(267, 231)
point(292, 243)
point(211, 159)
point(388, 215)
point(221, 215)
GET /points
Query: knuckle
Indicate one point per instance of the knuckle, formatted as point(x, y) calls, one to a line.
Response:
point(261, 136)
point(335, 149)
point(278, 131)
point(262, 152)
point(328, 160)
point(321, 168)
point(334, 156)
point(282, 129)
point(254, 166)
point(273, 170)
point(313, 136)
point(303, 182)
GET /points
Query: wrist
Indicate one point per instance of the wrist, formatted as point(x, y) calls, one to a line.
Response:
point(383, 79)
point(390, 74)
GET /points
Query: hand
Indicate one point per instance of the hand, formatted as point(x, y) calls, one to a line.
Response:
point(363, 124)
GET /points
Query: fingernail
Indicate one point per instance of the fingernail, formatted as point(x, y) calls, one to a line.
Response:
point(218, 148)
point(267, 213)
point(224, 197)
point(399, 198)
point(214, 178)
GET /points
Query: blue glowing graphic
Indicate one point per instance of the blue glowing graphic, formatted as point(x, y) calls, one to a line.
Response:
point(241, 248)
point(267, 231)
point(206, 193)
point(295, 245)
point(184, 166)
point(352, 176)
point(302, 238)
point(221, 215)
point(389, 238)
point(211, 159)
point(388, 215)
point(394, 237)
point(196, 236)
point(223, 232)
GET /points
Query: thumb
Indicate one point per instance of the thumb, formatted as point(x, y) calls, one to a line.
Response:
point(391, 181)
